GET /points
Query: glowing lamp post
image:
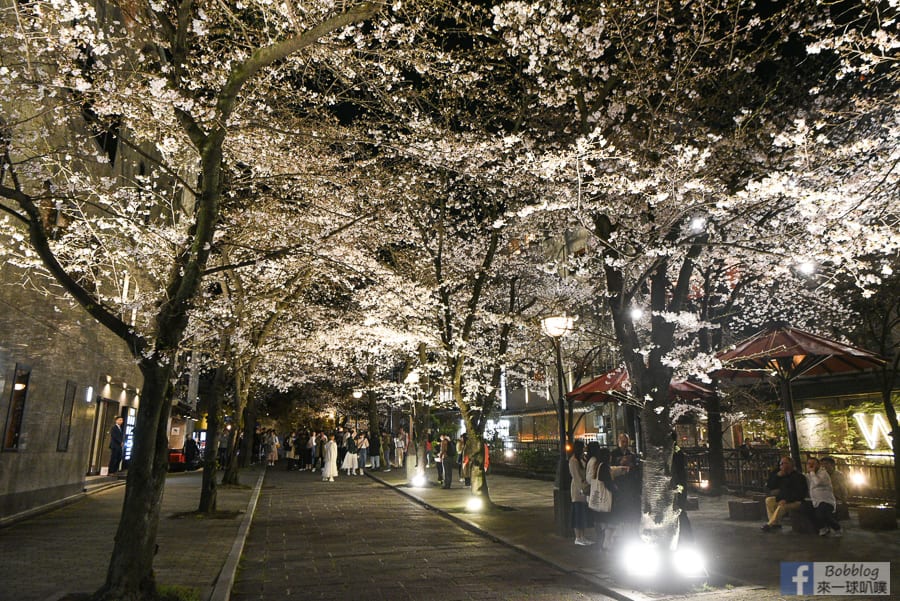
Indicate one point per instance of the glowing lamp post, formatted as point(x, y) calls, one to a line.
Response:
point(357, 394)
point(413, 471)
point(555, 328)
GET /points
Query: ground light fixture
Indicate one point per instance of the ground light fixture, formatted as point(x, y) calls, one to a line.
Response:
point(419, 480)
point(474, 504)
point(648, 562)
point(641, 560)
point(689, 562)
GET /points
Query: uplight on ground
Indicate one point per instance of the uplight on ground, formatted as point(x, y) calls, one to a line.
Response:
point(474, 504)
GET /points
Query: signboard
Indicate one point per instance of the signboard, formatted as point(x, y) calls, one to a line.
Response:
point(869, 579)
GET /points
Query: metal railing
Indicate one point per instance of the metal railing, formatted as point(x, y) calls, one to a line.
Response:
point(538, 457)
point(870, 478)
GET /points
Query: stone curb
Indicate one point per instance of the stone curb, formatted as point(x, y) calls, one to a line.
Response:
point(225, 580)
point(588, 578)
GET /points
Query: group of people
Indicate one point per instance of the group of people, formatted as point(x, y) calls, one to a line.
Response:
point(817, 493)
point(354, 452)
point(455, 454)
point(619, 472)
point(344, 449)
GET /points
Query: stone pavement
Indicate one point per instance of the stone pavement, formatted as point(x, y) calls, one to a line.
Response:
point(356, 539)
point(744, 563)
point(64, 551)
point(378, 538)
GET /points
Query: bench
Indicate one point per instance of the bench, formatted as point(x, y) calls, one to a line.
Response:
point(802, 522)
point(745, 510)
point(877, 517)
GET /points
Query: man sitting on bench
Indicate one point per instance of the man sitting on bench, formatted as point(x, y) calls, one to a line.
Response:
point(787, 489)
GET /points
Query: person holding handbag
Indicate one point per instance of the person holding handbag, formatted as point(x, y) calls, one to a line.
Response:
point(581, 515)
point(600, 498)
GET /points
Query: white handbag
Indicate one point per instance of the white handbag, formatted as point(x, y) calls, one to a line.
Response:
point(600, 498)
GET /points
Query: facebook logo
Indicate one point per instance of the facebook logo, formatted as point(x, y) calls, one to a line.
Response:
point(796, 578)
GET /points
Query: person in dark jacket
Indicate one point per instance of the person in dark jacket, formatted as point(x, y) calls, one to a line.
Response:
point(678, 483)
point(627, 495)
point(116, 445)
point(787, 489)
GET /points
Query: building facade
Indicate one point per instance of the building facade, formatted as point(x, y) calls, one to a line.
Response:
point(63, 380)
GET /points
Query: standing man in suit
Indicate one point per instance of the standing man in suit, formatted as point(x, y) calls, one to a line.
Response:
point(116, 445)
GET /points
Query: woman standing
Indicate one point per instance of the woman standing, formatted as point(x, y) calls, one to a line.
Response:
point(581, 516)
point(320, 450)
point(362, 445)
point(598, 469)
point(375, 450)
point(351, 459)
point(310, 451)
point(387, 445)
point(272, 445)
point(329, 469)
point(460, 452)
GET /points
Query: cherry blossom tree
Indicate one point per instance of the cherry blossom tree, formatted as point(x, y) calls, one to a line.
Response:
point(449, 234)
point(686, 148)
point(170, 83)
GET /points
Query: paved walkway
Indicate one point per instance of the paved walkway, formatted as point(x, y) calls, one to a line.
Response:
point(67, 550)
point(355, 539)
point(744, 563)
point(378, 538)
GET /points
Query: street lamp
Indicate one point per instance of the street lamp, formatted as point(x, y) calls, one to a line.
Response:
point(412, 469)
point(555, 328)
point(357, 394)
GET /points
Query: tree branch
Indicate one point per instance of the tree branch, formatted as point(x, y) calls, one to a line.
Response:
point(264, 57)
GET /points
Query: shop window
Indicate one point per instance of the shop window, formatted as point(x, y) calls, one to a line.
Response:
point(65, 419)
point(16, 408)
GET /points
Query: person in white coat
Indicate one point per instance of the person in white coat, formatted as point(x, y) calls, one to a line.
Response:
point(581, 515)
point(330, 469)
point(821, 494)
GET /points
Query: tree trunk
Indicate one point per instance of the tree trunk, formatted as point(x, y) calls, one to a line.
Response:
point(716, 447)
point(208, 492)
point(896, 444)
point(891, 414)
point(130, 574)
point(475, 450)
point(231, 473)
point(249, 433)
point(374, 422)
point(659, 519)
